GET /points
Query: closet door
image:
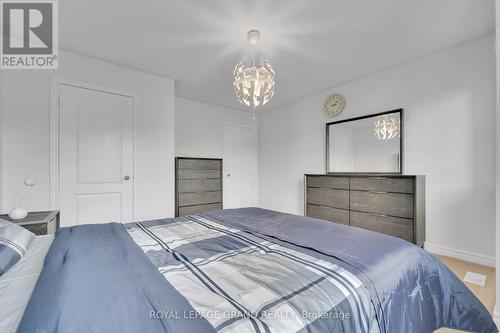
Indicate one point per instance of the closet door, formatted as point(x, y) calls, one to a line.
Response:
point(239, 166)
point(96, 156)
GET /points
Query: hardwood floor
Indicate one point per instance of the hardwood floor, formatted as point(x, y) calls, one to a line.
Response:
point(485, 294)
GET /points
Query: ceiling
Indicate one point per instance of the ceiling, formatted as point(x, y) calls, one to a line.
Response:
point(312, 44)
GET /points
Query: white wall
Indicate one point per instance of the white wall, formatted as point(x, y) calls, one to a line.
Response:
point(1, 156)
point(496, 312)
point(25, 107)
point(199, 127)
point(449, 102)
point(199, 130)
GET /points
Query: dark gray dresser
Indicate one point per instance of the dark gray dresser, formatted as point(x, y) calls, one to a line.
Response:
point(198, 185)
point(389, 204)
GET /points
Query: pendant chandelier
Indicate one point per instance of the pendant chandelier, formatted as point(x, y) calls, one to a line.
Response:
point(254, 77)
point(387, 128)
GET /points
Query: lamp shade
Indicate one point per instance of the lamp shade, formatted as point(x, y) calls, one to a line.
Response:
point(254, 81)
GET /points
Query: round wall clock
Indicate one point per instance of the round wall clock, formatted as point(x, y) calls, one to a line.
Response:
point(334, 105)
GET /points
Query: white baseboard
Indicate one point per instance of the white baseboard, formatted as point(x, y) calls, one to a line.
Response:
point(475, 258)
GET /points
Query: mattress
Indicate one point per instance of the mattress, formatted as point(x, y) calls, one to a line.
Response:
point(244, 270)
point(18, 283)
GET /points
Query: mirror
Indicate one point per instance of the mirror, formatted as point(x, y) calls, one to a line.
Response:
point(371, 144)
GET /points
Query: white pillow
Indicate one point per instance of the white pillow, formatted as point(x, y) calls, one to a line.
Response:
point(14, 241)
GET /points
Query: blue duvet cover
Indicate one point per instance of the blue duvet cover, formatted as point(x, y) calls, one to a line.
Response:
point(244, 270)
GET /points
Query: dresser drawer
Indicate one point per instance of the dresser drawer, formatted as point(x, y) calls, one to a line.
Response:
point(394, 204)
point(401, 185)
point(327, 213)
point(393, 226)
point(199, 174)
point(331, 182)
point(199, 164)
point(192, 210)
point(328, 197)
point(38, 229)
point(199, 185)
point(192, 199)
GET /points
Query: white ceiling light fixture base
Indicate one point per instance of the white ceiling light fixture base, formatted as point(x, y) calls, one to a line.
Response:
point(254, 77)
point(253, 37)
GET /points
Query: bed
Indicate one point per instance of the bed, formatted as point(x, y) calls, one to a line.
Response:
point(244, 270)
point(18, 283)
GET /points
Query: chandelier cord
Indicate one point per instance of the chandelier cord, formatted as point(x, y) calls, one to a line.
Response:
point(253, 51)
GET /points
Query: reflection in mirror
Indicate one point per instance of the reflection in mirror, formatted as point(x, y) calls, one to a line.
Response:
point(366, 144)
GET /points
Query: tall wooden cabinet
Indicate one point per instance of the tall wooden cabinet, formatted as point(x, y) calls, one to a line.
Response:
point(198, 185)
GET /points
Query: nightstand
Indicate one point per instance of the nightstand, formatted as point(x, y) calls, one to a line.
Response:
point(39, 223)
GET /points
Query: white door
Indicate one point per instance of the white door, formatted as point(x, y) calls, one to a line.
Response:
point(342, 154)
point(95, 156)
point(238, 164)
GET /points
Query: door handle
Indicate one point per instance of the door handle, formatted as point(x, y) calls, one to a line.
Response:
point(126, 178)
point(228, 175)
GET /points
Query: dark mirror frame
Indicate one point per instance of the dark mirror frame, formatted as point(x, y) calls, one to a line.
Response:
point(401, 141)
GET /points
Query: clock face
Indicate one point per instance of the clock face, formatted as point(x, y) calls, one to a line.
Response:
point(334, 105)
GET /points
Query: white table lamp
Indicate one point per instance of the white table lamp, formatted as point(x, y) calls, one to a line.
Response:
point(18, 213)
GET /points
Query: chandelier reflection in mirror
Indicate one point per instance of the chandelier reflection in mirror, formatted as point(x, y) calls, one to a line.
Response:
point(387, 128)
point(254, 77)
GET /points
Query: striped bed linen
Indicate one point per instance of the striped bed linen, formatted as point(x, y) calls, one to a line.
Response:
point(240, 282)
point(245, 270)
point(14, 242)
